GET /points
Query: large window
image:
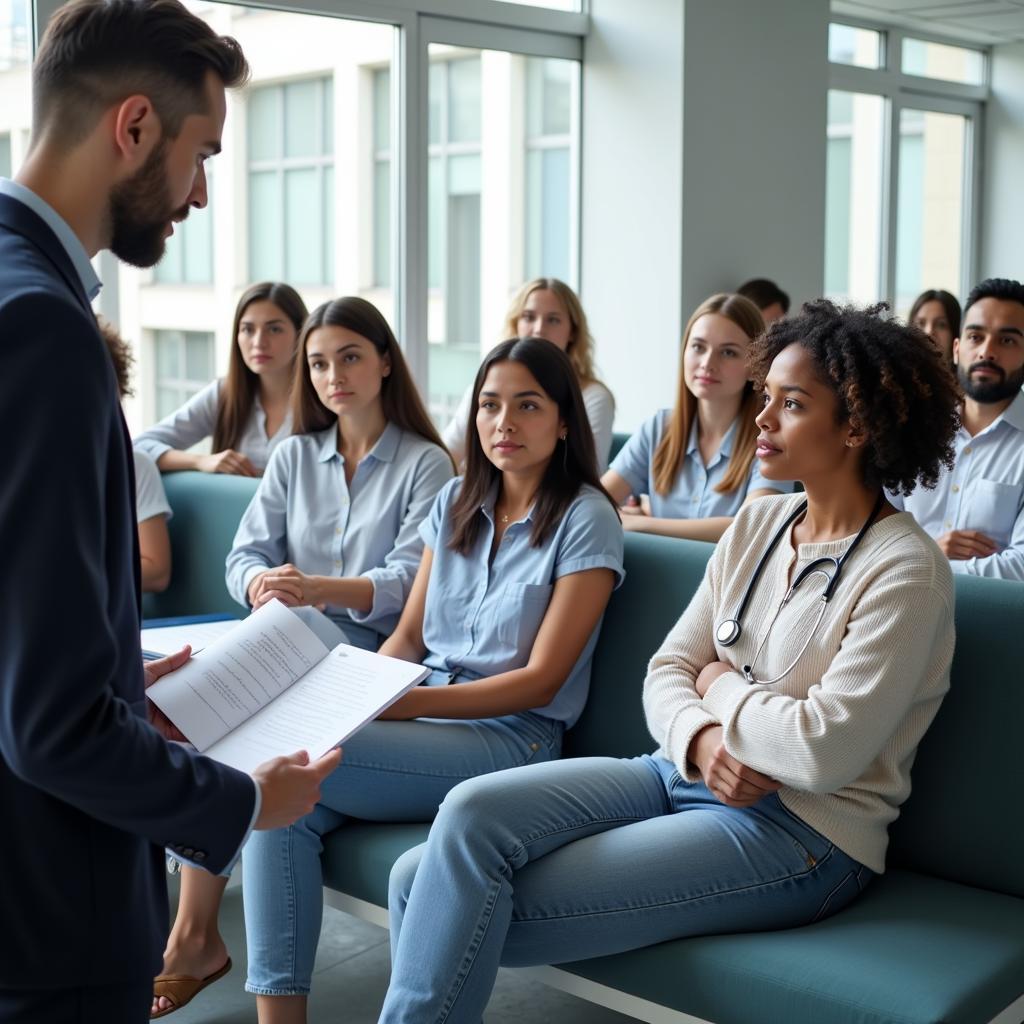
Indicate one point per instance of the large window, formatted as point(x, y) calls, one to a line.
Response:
point(901, 165)
point(184, 365)
point(15, 42)
point(502, 167)
point(291, 182)
point(5, 155)
point(189, 255)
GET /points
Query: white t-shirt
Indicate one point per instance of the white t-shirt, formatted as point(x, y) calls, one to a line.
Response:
point(150, 499)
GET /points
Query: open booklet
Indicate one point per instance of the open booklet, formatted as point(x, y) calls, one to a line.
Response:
point(270, 687)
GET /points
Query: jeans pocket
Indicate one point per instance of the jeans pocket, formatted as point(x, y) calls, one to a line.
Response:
point(844, 892)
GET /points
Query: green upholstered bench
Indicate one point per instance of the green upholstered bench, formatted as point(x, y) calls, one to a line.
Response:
point(938, 938)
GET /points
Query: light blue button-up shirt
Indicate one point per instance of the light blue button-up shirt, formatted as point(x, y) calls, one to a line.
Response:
point(195, 420)
point(693, 494)
point(984, 491)
point(482, 616)
point(305, 513)
point(59, 226)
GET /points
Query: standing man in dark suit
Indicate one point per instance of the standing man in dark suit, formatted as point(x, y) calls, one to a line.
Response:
point(128, 105)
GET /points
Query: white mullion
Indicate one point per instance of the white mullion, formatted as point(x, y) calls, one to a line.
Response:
point(890, 199)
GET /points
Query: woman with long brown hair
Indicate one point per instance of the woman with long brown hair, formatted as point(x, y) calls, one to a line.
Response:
point(247, 413)
point(333, 531)
point(691, 468)
point(548, 308)
point(520, 558)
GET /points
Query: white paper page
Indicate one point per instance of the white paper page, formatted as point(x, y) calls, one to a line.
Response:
point(335, 699)
point(170, 639)
point(235, 676)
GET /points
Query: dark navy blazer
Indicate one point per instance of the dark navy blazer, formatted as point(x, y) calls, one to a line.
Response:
point(89, 793)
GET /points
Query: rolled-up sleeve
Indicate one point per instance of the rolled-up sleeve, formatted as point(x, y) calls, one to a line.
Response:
point(592, 539)
point(261, 539)
point(633, 463)
point(393, 580)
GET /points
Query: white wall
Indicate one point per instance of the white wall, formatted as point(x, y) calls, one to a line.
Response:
point(631, 198)
point(1002, 217)
point(703, 165)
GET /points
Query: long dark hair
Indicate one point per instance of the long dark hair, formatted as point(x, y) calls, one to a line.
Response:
point(573, 464)
point(948, 303)
point(400, 400)
point(241, 385)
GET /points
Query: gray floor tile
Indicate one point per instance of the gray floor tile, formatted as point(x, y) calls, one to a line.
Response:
point(352, 969)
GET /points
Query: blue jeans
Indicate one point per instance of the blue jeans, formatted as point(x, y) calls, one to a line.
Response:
point(391, 771)
point(586, 857)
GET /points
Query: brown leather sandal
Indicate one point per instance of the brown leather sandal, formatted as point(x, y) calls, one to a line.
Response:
point(181, 989)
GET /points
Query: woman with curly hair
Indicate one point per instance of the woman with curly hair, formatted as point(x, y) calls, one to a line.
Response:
point(787, 725)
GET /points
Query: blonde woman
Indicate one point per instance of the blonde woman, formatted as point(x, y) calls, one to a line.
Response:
point(690, 469)
point(548, 308)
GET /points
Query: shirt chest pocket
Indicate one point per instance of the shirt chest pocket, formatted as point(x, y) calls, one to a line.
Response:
point(519, 612)
point(993, 509)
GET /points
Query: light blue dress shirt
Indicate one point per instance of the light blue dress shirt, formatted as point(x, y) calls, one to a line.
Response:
point(693, 494)
point(984, 491)
point(195, 420)
point(305, 513)
point(59, 226)
point(482, 616)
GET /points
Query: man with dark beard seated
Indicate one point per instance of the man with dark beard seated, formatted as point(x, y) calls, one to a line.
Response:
point(976, 513)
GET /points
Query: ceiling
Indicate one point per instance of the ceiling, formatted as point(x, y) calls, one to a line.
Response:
point(976, 21)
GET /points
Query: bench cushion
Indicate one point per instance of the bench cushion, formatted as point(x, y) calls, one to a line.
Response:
point(911, 950)
point(357, 857)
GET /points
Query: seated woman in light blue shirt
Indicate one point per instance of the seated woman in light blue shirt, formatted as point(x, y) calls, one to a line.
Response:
point(521, 557)
point(334, 525)
point(247, 414)
point(692, 467)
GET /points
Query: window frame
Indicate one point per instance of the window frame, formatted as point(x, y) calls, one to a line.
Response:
point(516, 28)
point(901, 92)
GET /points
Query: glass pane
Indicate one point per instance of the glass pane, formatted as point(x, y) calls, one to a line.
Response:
point(5, 156)
point(266, 227)
point(501, 203)
point(280, 200)
point(861, 47)
point(198, 357)
point(937, 60)
point(15, 43)
point(435, 224)
point(464, 100)
point(436, 101)
point(929, 210)
point(167, 400)
point(548, 96)
point(304, 227)
point(382, 223)
point(264, 111)
point(301, 110)
point(168, 355)
point(382, 110)
point(853, 196)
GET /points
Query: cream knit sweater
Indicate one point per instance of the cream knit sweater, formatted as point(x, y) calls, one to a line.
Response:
point(841, 730)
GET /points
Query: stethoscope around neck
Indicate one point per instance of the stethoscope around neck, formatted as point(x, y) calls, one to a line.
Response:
point(729, 631)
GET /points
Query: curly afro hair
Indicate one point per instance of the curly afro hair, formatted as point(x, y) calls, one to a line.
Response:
point(888, 379)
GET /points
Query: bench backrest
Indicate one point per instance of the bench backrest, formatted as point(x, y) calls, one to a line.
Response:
point(964, 819)
point(207, 508)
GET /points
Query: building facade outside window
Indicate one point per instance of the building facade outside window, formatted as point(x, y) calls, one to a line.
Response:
point(184, 364)
point(901, 167)
point(189, 255)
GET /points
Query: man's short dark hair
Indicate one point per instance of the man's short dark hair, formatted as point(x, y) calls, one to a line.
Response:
point(96, 53)
point(764, 293)
point(1002, 288)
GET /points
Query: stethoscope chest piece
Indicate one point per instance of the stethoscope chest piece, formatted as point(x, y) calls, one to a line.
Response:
point(728, 632)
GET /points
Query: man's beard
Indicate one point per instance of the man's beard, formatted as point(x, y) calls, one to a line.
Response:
point(989, 391)
point(140, 209)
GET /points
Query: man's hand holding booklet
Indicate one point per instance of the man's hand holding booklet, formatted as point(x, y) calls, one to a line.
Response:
point(269, 687)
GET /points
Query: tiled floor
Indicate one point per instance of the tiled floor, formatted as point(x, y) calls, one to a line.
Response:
point(352, 976)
